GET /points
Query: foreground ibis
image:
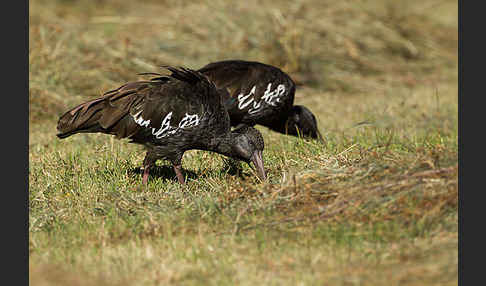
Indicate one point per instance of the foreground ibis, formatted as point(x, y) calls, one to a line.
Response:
point(168, 114)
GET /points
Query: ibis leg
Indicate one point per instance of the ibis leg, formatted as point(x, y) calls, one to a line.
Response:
point(178, 171)
point(146, 170)
point(148, 163)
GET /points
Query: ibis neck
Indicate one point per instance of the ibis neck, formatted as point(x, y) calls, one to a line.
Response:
point(223, 145)
point(284, 126)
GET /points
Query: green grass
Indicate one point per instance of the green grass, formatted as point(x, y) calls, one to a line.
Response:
point(376, 204)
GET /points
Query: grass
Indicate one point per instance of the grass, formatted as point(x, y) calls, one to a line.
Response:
point(376, 204)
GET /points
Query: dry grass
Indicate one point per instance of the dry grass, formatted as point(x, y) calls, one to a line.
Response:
point(375, 205)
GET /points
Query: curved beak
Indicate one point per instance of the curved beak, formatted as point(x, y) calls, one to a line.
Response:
point(319, 137)
point(257, 160)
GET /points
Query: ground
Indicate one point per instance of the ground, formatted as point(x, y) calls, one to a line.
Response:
point(375, 204)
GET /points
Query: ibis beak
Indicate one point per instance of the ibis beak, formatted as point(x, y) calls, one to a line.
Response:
point(319, 137)
point(257, 160)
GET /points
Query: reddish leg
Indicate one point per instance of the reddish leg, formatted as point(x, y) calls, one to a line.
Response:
point(180, 177)
point(146, 170)
point(148, 163)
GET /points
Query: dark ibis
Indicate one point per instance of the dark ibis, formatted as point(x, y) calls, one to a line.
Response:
point(168, 114)
point(257, 93)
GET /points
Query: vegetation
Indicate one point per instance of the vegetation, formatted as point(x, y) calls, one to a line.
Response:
point(376, 204)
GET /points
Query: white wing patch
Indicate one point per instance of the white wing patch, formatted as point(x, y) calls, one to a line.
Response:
point(270, 97)
point(241, 98)
point(189, 120)
point(139, 120)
